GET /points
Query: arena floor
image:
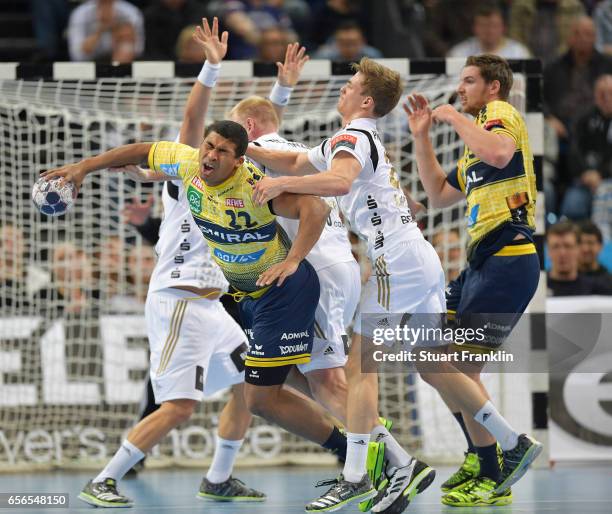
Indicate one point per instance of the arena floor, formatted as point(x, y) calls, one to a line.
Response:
point(583, 489)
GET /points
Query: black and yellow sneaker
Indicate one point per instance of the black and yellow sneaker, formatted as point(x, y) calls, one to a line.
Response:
point(516, 461)
point(341, 494)
point(468, 470)
point(477, 492)
point(375, 466)
point(232, 490)
point(104, 494)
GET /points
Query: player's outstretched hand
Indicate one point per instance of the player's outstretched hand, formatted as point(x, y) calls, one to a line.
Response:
point(70, 173)
point(136, 212)
point(208, 39)
point(267, 189)
point(295, 59)
point(419, 114)
point(279, 272)
point(444, 114)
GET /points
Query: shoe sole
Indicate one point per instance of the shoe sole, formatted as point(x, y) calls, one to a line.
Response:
point(530, 455)
point(497, 503)
point(378, 469)
point(243, 499)
point(92, 500)
point(421, 482)
point(333, 508)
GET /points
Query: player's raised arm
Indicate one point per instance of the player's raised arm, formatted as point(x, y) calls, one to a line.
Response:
point(215, 48)
point(312, 213)
point(116, 158)
point(288, 76)
point(439, 191)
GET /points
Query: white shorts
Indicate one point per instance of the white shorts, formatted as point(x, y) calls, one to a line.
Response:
point(406, 279)
point(340, 291)
point(195, 346)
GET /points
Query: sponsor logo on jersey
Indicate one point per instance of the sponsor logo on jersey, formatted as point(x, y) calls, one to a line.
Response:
point(234, 202)
point(329, 351)
point(198, 182)
point(194, 197)
point(345, 140)
point(473, 216)
point(294, 335)
point(172, 170)
point(293, 348)
point(472, 178)
point(220, 234)
point(245, 258)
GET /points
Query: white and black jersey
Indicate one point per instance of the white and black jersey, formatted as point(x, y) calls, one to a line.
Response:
point(183, 255)
point(376, 207)
point(333, 246)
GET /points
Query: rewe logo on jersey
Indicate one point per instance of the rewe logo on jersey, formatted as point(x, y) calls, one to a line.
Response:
point(294, 348)
point(245, 258)
point(234, 202)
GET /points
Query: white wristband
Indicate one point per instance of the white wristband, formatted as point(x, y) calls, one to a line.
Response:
point(209, 74)
point(280, 95)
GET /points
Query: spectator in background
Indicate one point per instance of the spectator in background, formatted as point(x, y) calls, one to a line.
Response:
point(602, 16)
point(13, 274)
point(591, 153)
point(447, 244)
point(329, 17)
point(563, 277)
point(187, 50)
point(544, 25)
point(112, 268)
point(164, 22)
point(110, 30)
point(49, 19)
point(141, 262)
point(272, 45)
point(489, 38)
point(347, 45)
point(246, 20)
point(591, 244)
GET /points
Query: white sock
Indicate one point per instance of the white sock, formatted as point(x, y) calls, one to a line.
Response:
point(127, 455)
point(398, 457)
point(499, 428)
point(356, 456)
point(223, 460)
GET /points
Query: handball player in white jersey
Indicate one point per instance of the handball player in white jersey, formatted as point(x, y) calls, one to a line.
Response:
point(407, 279)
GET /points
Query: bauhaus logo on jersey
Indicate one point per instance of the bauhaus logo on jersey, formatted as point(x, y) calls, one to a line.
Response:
point(245, 258)
point(293, 348)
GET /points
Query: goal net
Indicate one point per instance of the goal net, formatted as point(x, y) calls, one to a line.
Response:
point(73, 348)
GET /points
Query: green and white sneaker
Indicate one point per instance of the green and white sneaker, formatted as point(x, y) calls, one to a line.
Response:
point(478, 492)
point(341, 494)
point(468, 470)
point(375, 466)
point(104, 494)
point(516, 461)
point(232, 490)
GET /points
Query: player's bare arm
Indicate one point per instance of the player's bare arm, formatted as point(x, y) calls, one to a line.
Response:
point(116, 158)
point(335, 182)
point(312, 213)
point(289, 73)
point(494, 149)
point(439, 191)
point(287, 163)
point(215, 48)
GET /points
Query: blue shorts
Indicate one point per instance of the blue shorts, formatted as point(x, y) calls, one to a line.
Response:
point(494, 295)
point(280, 324)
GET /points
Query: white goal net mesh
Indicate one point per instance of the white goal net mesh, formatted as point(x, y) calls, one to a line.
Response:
point(73, 348)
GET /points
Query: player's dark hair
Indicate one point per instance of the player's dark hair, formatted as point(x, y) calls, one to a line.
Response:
point(589, 228)
point(492, 67)
point(489, 10)
point(562, 228)
point(231, 131)
point(349, 25)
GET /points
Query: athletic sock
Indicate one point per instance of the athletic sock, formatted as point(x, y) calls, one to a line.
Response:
point(223, 461)
point(498, 427)
point(356, 456)
point(398, 457)
point(336, 443)
point(127, 455)
point(489, 465)
point(461, 421)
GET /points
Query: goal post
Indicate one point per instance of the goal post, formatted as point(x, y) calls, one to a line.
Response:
point(73, 350)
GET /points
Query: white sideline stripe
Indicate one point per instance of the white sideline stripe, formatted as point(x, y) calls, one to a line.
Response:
point(74, 70)
point(8, 70)
point(317, 68)
point(454, 65)
point(236, 69)
point(153, 69)
point(402, 66)
point(535, 128)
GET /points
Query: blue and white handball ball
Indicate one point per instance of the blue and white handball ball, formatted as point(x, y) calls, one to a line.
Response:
point(51, 198)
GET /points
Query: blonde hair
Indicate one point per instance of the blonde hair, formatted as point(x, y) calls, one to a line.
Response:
point(381, 83)
point(256, 107)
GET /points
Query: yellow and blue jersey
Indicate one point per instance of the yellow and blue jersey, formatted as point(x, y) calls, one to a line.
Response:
point(243, 237)
point(500, 201)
